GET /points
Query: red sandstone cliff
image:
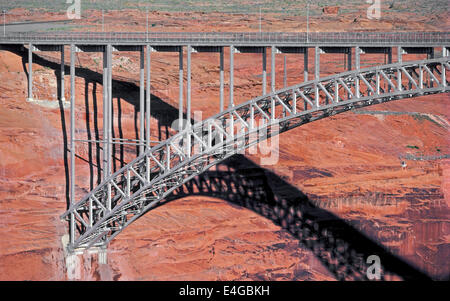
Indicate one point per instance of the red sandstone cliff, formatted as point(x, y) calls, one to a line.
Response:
point(348, 165)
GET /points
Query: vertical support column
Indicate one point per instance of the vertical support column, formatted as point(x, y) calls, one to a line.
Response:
point(284, 82)
point(358, 67)
point(221, 79)
point(317, 62)
point(109, 112)
point(389, 61)
point(231, 103)
point(316, 73)
point(264, 67)
point(142, 101)
point(349, 59)
point(357, 58)
point(148, 100)
point(444, 79)
point(305, 65)
point(336, 91)
point(72, 139)
point(430, 56)
point(377, 82)
point(105, 112)
point(188, 98)
point(180, 99)
point(421, 77)
point(62, 97)
point(272, 69)
point(294, 102)
point(30, 72)
point(399, 74)
point(399, 54)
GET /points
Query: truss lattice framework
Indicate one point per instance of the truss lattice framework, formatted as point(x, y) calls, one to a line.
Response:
point(146, 181)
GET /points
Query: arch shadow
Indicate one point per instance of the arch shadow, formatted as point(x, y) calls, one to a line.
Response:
point(341, 248)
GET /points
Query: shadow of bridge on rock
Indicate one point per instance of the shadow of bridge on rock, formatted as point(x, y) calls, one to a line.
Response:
point(340, 247)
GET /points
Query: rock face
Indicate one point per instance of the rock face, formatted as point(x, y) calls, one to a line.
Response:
point(337, 194)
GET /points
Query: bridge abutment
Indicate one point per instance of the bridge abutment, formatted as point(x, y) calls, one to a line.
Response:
point(72, 260)
point(78, 263)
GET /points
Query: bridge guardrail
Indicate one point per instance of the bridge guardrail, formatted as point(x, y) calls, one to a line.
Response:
point(235, 37)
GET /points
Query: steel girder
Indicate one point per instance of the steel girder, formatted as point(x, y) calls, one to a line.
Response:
point(145, 182)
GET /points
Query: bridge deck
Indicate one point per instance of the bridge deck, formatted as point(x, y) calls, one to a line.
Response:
point(300, 39)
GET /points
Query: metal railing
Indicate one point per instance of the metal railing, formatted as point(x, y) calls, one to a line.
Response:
point(378, 38)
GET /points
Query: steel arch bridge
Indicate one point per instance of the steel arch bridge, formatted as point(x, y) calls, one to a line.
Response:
point(145, 182)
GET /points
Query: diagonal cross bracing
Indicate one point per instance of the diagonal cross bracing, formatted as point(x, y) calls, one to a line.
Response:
point(146, 181)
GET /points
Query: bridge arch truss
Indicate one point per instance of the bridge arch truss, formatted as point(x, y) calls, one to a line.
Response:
point(145, 182)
